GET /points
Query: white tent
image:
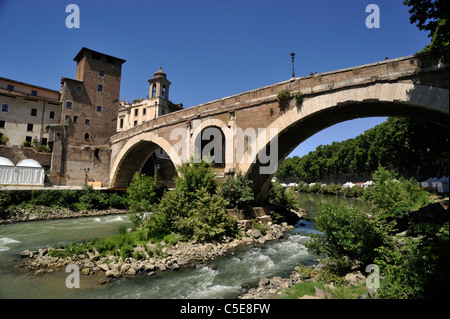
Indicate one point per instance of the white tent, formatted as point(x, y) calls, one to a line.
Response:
point(367, 184)
point(30, 173)
point(441, 184)
point(349, 184)
point(428, 182)
point(7, 171)
point(27, 172)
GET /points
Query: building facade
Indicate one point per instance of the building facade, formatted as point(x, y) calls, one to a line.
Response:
point(26, 111)
point(89, 107)
point(76, 123)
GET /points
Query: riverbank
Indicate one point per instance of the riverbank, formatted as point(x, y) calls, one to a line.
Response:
point(153, 257)
point(35, 213)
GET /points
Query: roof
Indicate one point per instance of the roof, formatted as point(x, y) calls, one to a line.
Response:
point(28, 84)
point(27, 96)
point(80, 55)
point(5, 162)
point(29, 163)
point(160, 73)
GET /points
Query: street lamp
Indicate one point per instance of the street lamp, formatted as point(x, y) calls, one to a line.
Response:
point(292, 57)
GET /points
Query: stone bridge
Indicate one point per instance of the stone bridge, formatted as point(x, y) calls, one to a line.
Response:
point(258, 131)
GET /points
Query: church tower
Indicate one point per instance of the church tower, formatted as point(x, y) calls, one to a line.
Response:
point(159, 93)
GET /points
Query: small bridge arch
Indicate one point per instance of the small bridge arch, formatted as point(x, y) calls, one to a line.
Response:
point(134, 154)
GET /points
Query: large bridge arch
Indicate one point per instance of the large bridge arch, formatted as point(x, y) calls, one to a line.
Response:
point(134, 154)
point(319, 112)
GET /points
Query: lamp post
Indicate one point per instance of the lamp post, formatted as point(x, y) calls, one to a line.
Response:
point(292, 57)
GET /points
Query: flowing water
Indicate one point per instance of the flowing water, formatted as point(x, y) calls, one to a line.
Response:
point(223, 277)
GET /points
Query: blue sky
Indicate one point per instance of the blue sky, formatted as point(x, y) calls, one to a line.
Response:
point(209, 49)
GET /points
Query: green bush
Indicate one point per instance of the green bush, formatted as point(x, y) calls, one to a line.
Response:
point(283, 95)
point(117, 201)
point(393, 198)
point(93, 199)
point(279, 195)
point(348, 235)
point(193, 209)
point(141, 197)
point(417, 267)
point(298, 97)
point(237, 192)
point(126, 251)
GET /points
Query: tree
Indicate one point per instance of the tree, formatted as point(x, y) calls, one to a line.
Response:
point(431, 16)
point(193, 209)
point(141, 196)
point(237, 192)
point(347, 236)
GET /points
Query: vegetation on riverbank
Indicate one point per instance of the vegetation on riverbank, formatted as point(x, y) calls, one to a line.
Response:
point(44, 200)
point(408, 145)
point(410, 248)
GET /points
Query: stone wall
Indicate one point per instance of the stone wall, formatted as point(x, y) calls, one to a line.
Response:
point(17, 154)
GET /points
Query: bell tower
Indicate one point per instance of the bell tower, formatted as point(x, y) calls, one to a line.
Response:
point(159, 93)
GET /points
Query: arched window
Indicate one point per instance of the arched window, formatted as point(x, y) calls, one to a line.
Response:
point(86, 136)
point(154, 90)
point(164, 92)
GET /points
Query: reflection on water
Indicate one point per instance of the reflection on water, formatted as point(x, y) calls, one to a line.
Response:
point(311, 202)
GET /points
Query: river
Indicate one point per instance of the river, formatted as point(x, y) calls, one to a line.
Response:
point(221, 278)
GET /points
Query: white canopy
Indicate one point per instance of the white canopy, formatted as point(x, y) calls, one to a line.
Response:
point(367, 184)
point(5, 162)
point(349, 184)
point(27, 172)
point(440, 184)
point(29, 163)
point(6, 171)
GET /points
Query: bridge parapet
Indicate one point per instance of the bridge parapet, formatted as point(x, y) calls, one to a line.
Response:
point(404, 69)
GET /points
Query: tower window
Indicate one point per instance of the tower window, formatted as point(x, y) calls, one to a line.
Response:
point(34, 92)
point(110, 59)
point(99, 108)
point(86, 136)
point(87, 121)
point(5, 107)
point(96, 55)
point(69, 105)
point(121, 123)
point(100, 88)
point(154, 90)
point(101, 73)
point(52, 114)
point(29, 127)
point(164, 92)
point(75, 119)
point(10, 87)
point(33, 112)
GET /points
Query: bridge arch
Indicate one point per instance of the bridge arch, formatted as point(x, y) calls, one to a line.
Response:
point(226, 135)
point(319, 112)
point(134, 154)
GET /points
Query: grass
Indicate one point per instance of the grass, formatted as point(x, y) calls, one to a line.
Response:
point(340, 291)
point(121, 244)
